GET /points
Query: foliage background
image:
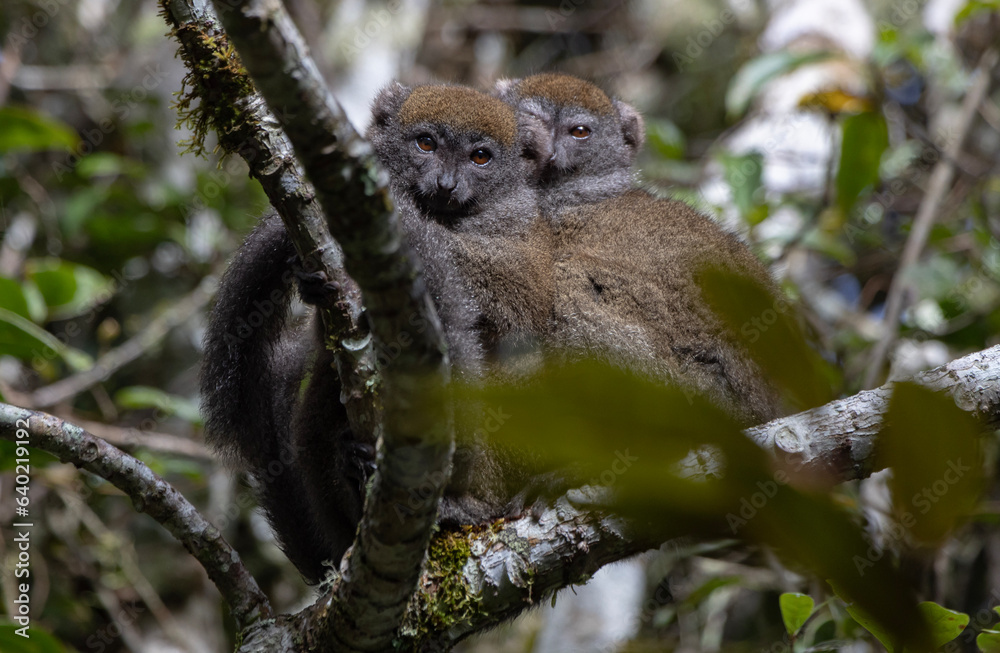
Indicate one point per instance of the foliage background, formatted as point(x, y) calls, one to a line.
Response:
point(810, 127)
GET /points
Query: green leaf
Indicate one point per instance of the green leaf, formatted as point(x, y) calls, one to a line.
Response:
point(945, 624)
point(933, 449)
point(865, 138)
point(103, 164)
point(610, 429)
point(745, 175)
point(795, 610)
point(24, 129)
point(140, 397)
point(666, 139)
point(80, 207)
point(610, 425)
point(757, 72)
point(765, 323)
point(870, 624)
point(38, 641)
point(974, 8)
point(26, 340)
point(988, 641)
point(12, 297)
point(69, 289)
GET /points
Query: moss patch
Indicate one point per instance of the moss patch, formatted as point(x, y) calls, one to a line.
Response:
point(213, 87)
point(444, 598)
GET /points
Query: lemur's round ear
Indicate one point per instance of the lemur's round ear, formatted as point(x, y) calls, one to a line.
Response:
point(633, 126)
point(506, 90)
point(535, 138)
point(388, 102)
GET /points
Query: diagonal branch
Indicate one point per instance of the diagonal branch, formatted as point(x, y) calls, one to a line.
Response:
point(840, 436)
point(149, 494)
point(151, 336)
point(381, 574)
point(901, 290)
point(231, 106)
point(479, 578)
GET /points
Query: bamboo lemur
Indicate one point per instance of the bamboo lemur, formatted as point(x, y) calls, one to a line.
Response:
point(586, 141)
point(626, 262)
point(459, 182)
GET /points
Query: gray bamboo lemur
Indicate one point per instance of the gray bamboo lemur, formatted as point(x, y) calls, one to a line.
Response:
point(459, 182)
point(585, 141)
point(626, 262)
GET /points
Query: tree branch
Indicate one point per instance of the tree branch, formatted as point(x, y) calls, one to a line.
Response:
point(151, 336)
point(839, 437)
point(149, 494)
point(381, 574)
point(230, 105)
point(937, 187)
point(478, 578)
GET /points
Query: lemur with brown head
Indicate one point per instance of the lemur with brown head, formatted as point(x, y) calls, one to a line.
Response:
point(626, 261)
point(459, 183)
point(586, 141)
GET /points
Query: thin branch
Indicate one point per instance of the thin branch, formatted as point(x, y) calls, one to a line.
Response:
point(149, 494)
point(839, 437)
point(937, 188)
point(150, 337)
point(130, 439)
point(477, 579)
point(381, 573)
point(125, 561)
point(245, 126)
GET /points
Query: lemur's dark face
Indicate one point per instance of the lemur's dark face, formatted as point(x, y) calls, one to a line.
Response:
point(453, 174)
point(572, 140)
point(453, 151)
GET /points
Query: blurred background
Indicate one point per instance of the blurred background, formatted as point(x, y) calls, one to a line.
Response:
point(814, 128)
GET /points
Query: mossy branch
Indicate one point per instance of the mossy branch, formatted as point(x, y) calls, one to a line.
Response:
point(417, 435)
point(149, 494)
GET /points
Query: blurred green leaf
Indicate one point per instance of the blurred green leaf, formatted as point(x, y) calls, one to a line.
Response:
point(69, 288)
point(795, 610)
point(12, 297)
point(611, 429)
point(865, 138)
point(764, 323)
point(706, 589)
point(988, 641)
point(757, 72)
point(974, 8)
point(101, 164)
point(38, 640)
point(80, 207)
point(665, 138)
point(140, 397)
point(933, 449)
point(39, 458)
point(745, 175)
point(26, 340)
point(24, 129)
point(945, 624)
point(868, 623)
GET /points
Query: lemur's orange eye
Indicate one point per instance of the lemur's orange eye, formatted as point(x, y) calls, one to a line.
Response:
point(580, 131)
point(481, 157)
point(426, 143)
